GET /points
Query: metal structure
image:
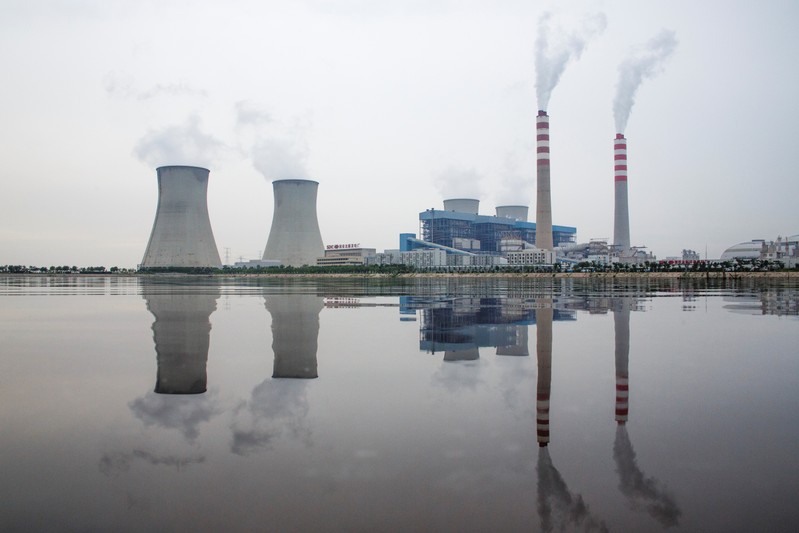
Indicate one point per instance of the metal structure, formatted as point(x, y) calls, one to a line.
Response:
point(543, 206)
point(182, 235)
point(294, 239)
point(621, 218)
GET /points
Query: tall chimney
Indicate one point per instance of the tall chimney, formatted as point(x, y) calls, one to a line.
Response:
point(621, 219)
point(182, 235)
point(543, 207)
point(295, 239)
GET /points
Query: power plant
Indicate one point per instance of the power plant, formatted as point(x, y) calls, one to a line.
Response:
point(182, 235)
point(543, 206)
point(621, 218)
point(294, 239)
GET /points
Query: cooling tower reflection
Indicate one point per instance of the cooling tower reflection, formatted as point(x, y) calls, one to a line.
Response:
point(181, 332)
point(641, 491)
point(279, 407)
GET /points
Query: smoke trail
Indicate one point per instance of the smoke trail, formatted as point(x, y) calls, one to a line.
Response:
point(280, 159)
point(641, 490)
point(570, 510)
point(645, 64)
point(551, 57)
point(179, 145)
point(459, 183)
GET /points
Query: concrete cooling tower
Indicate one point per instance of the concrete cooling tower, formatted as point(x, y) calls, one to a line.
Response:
point(543, 206)
point(295, 333)
point(515, 212)
point(621, 218)
point(182, 235)
point(294, 239)
point(462, 205)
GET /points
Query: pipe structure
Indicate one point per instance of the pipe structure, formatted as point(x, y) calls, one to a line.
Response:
point(182, 235)
point(294, 239)
point(543, 206)
point(621, 218)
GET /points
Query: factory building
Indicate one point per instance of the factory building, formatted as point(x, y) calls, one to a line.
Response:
point(345, 254)
point(467, 231)
point(785, 249)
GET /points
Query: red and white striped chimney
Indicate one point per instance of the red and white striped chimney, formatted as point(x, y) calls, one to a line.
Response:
point(621, 219)
point(543, 326)
point(621, 323)
point(543, 207)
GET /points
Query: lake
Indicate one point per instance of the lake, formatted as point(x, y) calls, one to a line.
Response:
point(171, 403)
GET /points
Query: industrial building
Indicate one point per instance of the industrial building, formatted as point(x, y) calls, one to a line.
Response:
point(182, 235)
point(294, 239)
point(345, 254)
point(785, 249)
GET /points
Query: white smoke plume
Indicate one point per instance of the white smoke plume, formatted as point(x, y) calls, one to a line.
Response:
point(459, 183)
point(279, 159)
point(639, 489)
point(644, 63)
point(552, 55)
point(184, 144)
point(250, 114)
point(558, 508)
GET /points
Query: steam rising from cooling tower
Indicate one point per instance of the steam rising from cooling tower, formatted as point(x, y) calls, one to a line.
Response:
point(294, 239)
point(552, 56)
point(182, 235)
point(181, 144)
point(647, 63)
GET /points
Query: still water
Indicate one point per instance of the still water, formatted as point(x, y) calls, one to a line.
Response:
point(213, 404)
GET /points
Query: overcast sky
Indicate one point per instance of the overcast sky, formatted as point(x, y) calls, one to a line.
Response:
point(391, 106)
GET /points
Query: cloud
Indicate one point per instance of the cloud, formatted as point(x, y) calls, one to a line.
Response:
point(184, 144)
point(249, 114)
point(124, 86)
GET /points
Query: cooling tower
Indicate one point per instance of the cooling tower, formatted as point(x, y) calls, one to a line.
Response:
point(182, 235)
point(295, 330)
point(543, 206)
point(294, 239)
point(462, 205)
point(515, 212)
point(621, 218)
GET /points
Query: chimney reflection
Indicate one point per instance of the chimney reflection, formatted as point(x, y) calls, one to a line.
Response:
point(181, 332)
point(295, 332)
point(543, 347)
point(639, 489)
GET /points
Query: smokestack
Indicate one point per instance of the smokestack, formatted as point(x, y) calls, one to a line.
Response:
point(543, 207)
point(294, 239)
point(515, 212)
point(621, 219)
point(462, 205)
point(182, 235)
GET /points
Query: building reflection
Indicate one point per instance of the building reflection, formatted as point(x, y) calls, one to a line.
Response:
point(640, 490)
point(181, 331)
point(460, 326)
point(295, 333)
point(279, 406)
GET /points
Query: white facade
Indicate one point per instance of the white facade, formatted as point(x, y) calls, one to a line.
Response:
point(531, 257)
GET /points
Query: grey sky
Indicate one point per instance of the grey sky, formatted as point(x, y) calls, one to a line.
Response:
point(384, 103)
